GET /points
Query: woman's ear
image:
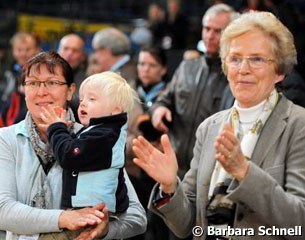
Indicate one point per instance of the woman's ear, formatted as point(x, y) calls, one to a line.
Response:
point(279, 78)
point(71, 91)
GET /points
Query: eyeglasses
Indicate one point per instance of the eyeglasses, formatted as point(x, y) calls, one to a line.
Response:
point(51, 84)
point(253, 61)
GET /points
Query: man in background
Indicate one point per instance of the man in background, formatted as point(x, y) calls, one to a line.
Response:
point(71, 48)
point(112, 53)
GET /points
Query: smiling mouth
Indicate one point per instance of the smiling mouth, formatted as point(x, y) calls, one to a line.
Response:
point(245, 83)
point(43, 104)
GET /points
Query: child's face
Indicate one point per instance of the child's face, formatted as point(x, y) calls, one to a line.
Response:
point(93, 104)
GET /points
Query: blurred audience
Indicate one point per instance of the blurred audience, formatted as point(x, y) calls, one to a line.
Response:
point(71, 48)
point(176, 27)
point(156, 23)
point(195, 91)
point(12, 107)
point(152, 69)
point(112, 53)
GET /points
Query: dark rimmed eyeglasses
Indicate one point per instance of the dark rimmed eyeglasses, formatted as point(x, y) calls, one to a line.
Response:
point(51, 84)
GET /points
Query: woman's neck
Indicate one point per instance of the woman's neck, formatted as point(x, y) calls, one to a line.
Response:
point(42, 131)
point(249, 115)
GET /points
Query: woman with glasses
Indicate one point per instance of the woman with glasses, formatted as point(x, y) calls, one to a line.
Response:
point(247, 176)
point(31, 179)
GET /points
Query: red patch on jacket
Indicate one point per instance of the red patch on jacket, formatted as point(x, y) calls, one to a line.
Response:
point(76, 151)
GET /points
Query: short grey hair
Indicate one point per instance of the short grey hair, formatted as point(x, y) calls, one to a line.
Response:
point(113, 39)
point(217, 9)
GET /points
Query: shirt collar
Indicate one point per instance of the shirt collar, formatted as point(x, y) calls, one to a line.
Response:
point(115, 67)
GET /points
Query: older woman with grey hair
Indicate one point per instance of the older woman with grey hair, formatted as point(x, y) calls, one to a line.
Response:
point(247, 176)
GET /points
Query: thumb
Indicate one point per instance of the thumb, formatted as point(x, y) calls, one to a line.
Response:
point(99, 206)
point(228, 126)
point(69, 123)
point(168, 116)
point(43, 126)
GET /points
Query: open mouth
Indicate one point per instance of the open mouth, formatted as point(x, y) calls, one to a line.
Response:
point(82, 112)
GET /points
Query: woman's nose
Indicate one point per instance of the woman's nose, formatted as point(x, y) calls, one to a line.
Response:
point(244, 66)
point(42, 89)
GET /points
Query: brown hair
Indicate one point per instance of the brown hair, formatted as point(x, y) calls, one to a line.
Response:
point(51, 60)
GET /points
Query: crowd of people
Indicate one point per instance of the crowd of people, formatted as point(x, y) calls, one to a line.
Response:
point(113, 145)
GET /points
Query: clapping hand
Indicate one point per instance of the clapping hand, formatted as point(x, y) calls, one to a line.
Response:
point(162, 167)
point(229, 153)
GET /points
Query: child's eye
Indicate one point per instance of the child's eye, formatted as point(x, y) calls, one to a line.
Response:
point(92, 99)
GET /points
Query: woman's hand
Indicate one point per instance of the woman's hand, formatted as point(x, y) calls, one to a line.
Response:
point(229, 153)
point(162, 167)
point(75, 219)
point(98, 231)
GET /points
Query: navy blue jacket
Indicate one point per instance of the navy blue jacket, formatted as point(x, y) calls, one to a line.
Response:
point(92, 162)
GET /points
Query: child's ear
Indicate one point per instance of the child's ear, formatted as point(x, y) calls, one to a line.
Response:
point(117, 110)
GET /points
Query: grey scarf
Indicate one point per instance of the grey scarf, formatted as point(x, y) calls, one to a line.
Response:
point(41, 196)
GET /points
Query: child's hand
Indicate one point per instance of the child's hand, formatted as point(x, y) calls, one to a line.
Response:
point(51, 114)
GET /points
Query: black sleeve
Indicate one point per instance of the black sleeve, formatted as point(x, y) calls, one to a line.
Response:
point(91, 151)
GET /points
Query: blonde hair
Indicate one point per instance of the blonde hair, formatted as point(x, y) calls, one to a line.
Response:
point(282, 41)
point(115, 87)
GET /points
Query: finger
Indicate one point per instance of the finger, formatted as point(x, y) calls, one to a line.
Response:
point(222, 150)
point(162, 127)
point(140, 154)
point(106, 214)
point(143, 165)
point(156, 118)
point(97, 231)
point(225, 142)
point(83, 235)
point(50, 110)
point(147, 146)
point(92, 219)
point(45, 112)
point(57, 110)
point(43, 117)
point(63, 115)
point(221, 158)
point(167, 147)
point(139, 147)
point(228, 132)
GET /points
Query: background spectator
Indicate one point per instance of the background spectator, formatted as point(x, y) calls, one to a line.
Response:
point(12, 106)
point(71, 48)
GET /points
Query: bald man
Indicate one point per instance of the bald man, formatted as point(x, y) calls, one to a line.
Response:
point(71, 48)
